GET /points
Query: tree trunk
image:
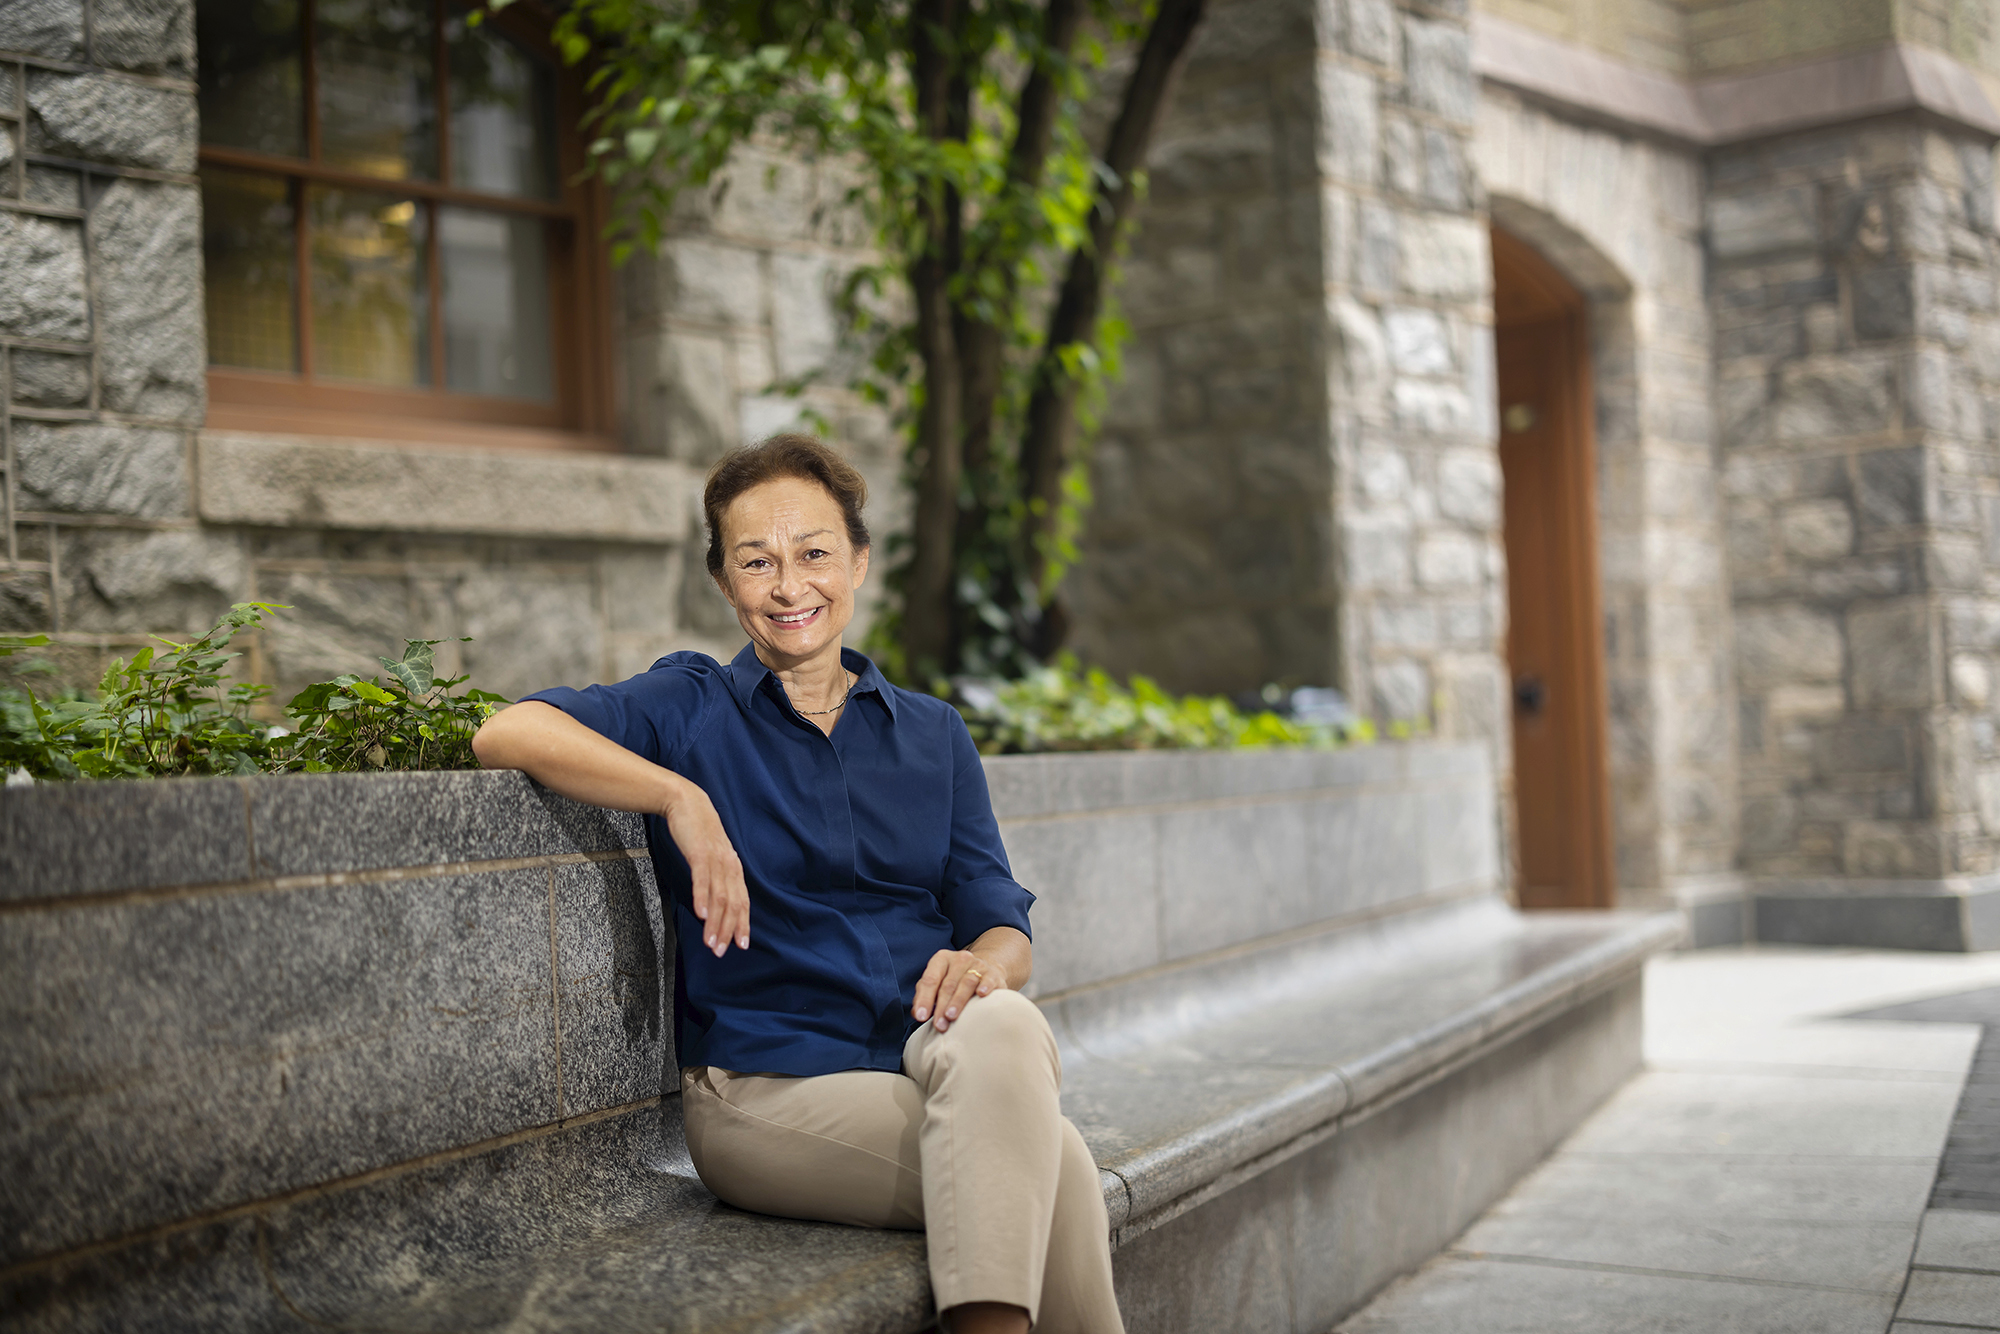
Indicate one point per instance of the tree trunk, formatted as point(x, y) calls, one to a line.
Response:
point(982, 345)
point(1048, 441)
point(928, 595)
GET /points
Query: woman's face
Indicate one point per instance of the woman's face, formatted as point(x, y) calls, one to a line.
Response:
point(788, 569)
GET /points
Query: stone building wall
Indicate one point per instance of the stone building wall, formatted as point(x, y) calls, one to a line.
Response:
point(1858, 341)
point(100, 316)
point(128, 518)
point(1298, 481)
point(1207, 556)
point(1621, 215)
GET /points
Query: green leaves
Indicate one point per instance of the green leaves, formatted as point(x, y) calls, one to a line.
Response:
point(168, 713)
point(1060, 707)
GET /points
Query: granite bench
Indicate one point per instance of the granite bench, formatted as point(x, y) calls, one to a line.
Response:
point(391, 1052)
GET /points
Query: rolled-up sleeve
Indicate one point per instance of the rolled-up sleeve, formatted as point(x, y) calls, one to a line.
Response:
point(654, 714)
point(979, 890)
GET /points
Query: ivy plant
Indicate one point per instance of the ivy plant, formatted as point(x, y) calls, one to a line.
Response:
point(1062, 707)
point(168, 712)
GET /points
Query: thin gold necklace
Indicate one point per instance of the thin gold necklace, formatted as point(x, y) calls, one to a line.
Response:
point(852, 681)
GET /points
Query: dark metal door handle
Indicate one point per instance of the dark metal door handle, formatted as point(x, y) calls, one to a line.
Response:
point(1528, 695)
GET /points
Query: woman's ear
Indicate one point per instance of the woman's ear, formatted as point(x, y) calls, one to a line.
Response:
point(861, 566)
point(721, 578)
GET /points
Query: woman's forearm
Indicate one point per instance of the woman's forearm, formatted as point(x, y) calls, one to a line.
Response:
point(1010, 950)
point(563, 755)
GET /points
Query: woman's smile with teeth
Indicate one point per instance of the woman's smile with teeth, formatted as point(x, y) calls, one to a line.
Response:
point(796, 617)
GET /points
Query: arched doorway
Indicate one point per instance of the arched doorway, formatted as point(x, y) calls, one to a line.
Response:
point(1555, 640)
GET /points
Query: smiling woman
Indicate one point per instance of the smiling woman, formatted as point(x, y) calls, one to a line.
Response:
point(864, 1056)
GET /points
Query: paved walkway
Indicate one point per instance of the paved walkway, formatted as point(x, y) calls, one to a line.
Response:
point(1797, 1156)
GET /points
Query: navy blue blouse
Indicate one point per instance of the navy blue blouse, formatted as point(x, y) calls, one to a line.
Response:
point(864, 853)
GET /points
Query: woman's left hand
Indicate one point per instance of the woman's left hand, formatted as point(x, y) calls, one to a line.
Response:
point(952, 979)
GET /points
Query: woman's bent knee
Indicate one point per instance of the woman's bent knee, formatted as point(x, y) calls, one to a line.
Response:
point(1006, 1019)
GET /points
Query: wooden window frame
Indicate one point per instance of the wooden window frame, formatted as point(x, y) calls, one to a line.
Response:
point(579, 285)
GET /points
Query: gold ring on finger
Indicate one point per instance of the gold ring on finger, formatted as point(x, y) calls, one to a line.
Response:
point(974, 972)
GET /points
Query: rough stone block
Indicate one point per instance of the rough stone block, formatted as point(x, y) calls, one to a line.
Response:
point(1884, 301)
point(334, 1028)
point(642, 591)
point(52, 28)
point(1402, 692)
point(51, 379)
point(54, 185)
point(1785, 644)
point(1375, 554)
point(615, 985)
point(1427, 407)
point(150, 36)
point(1444, 256)
point(102, 118)
point(693, 413)
point(1437, 62)
point(1372, 32)
point(1783, 218)
point(1418, 342)
point(58, 840)
point(1894, 665)
point(146, 248)
point(1468, 488)
point(1817, 530)
point(804, 332)
point(102, 468)
point(1352, 146)
point(1378, 260)
point(529, 630)
point(1821, 399)
point(1890, 487)
point(706, 279)
point(1448, 560)
point(294, 481)
point(173, 582)
point(44, 295)
point(765, 197)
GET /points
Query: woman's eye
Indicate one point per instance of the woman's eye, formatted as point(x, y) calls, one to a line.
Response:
point(815, 554)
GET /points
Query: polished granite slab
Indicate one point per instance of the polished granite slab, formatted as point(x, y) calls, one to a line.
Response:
point(1177, 1078)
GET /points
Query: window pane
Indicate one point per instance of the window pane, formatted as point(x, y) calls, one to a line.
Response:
point(250, 85)
point(496, 304)
point(370, 307)
point(247, 243)
point(377, 99)
point(502, 115)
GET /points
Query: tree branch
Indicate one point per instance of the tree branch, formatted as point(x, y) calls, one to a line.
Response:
point(982, 347)
point(1048, 442)
point(927, 614)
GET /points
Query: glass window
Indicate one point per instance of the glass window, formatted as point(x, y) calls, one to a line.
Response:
point(502, 119)
point(251, 90)
point(448, 283)
point(377, 100)
point(370, 303)
point(247, 246)
point(496, 304)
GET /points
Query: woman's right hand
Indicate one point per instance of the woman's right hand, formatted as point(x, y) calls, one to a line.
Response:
point(721, 900)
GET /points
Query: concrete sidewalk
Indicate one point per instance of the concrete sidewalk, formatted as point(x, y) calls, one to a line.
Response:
point(1773, 1169)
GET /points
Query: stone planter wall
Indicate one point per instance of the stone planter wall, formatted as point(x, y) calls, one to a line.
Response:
point(218, 993)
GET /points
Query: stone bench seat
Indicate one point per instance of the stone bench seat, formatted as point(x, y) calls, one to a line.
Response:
point(1185, 1082)
point(394, 1052)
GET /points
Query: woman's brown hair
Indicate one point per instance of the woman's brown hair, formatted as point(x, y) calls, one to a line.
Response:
point(800, 456)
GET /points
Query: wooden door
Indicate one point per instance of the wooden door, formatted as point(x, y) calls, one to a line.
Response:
point(1554, 638)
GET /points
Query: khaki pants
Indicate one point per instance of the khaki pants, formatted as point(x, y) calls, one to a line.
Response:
point(969, 1143)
